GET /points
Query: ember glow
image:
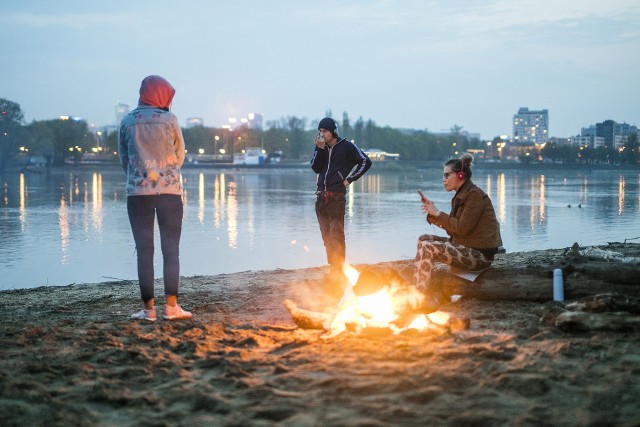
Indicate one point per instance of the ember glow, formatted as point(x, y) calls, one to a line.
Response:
point(392, 307)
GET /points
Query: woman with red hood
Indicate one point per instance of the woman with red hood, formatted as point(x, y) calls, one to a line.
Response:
point(151, 150)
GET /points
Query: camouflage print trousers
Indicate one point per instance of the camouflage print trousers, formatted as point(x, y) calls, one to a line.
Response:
point(436, 248)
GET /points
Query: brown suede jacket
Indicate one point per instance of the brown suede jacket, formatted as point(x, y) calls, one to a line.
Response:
point(472, 221)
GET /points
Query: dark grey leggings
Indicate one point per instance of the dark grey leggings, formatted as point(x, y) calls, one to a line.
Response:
point(436, 248)
point(142, 212)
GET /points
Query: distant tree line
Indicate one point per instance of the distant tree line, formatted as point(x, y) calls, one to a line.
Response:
point(629, 153)
point(57, 140)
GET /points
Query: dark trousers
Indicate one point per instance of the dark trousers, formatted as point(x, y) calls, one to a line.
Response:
point(330, 209)
point(142, 212)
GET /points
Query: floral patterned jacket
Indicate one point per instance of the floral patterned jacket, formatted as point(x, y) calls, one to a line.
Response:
point(151, 150)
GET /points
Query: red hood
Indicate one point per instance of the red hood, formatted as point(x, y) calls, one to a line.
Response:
point(157, 92)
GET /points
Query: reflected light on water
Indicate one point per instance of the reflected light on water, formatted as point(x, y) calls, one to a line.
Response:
point(542, 198)
point(23, 202)
point(251, 218)
point(532, 210)
point(201, 198)
point(350, 199)
point(232, 216)
point(230, 206)
point(538, 202)
point(218, 199)
point(621, 195)
point(583, 191)
point(96, 190)
point(76, 189)
point(373, 184)
point(85, 215)
point(63, 221)
point(502, 199)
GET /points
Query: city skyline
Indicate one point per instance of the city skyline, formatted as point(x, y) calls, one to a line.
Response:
point(411, 64)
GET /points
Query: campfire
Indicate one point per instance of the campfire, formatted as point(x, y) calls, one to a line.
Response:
point(376, 300)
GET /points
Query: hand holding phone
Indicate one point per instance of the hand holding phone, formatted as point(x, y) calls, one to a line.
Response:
point(319, 141)
point(422, 196)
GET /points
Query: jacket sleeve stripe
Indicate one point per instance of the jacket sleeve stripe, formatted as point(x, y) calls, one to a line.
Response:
point(364, 164)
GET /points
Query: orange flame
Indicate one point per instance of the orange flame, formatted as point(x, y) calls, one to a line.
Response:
point(381, 309)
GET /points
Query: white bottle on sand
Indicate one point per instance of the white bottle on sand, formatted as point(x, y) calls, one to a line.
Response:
point(558, 286)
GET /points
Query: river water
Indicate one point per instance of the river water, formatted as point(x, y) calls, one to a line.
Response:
point(71, 226)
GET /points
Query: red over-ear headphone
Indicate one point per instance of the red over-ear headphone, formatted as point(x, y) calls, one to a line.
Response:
point(461, 174)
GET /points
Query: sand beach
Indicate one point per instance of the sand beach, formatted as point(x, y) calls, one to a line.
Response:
point(71, 356)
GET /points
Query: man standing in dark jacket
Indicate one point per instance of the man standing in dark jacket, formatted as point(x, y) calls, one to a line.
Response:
point(338, 163)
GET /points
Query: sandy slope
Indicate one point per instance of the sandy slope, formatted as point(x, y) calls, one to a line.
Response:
point(71, 356)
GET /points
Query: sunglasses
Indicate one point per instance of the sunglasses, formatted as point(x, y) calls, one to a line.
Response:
point(446, 175)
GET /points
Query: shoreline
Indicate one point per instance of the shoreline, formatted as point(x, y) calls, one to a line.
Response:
point(382, 166)
point(70, 355)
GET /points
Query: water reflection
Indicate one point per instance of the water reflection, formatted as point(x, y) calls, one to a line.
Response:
point(542, 198)
point(621, 195)
point(23, 202)
point(350, 199)
point(201, 200)
point(63, 222)
point(251, 217)
point(248, 220)
point(232, 216)
point(488, 187)
point(502, 198)
point(218, 199)
point(96, 199)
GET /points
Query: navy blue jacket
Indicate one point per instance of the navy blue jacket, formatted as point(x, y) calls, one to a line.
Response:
point(334, 165)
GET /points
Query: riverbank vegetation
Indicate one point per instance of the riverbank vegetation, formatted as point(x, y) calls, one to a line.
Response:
point(63, 140)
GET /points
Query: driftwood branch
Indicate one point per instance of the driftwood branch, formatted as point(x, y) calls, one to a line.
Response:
point(577, 321)
point(605, 312)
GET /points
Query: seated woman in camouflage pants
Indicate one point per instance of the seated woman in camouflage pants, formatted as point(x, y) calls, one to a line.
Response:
point(474, 232)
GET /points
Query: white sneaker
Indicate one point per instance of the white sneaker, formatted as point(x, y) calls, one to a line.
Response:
point(149, 315)
point(176, 313)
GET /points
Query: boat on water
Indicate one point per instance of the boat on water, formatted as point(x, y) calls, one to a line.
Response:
point(250, 156)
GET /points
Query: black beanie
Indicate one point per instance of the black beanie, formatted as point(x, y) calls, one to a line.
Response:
point(329, 124)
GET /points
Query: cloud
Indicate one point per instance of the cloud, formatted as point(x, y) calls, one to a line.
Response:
point(75, 21)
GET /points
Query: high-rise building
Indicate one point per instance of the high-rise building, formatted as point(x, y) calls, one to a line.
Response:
point(122, 110)
point(255, 121)
point(614, 134)
point(587, 140)
point(531, 127)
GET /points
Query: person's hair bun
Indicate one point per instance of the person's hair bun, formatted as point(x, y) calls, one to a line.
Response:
point(466, 159)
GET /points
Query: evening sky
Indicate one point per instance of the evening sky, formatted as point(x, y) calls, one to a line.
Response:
point(406, 64)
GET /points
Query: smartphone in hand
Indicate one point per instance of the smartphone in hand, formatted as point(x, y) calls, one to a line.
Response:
point(422, 196)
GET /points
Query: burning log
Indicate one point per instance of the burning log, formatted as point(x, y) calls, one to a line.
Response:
point(306, 319)
point(386, 304)
point(371, 280)
point(439, 322)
